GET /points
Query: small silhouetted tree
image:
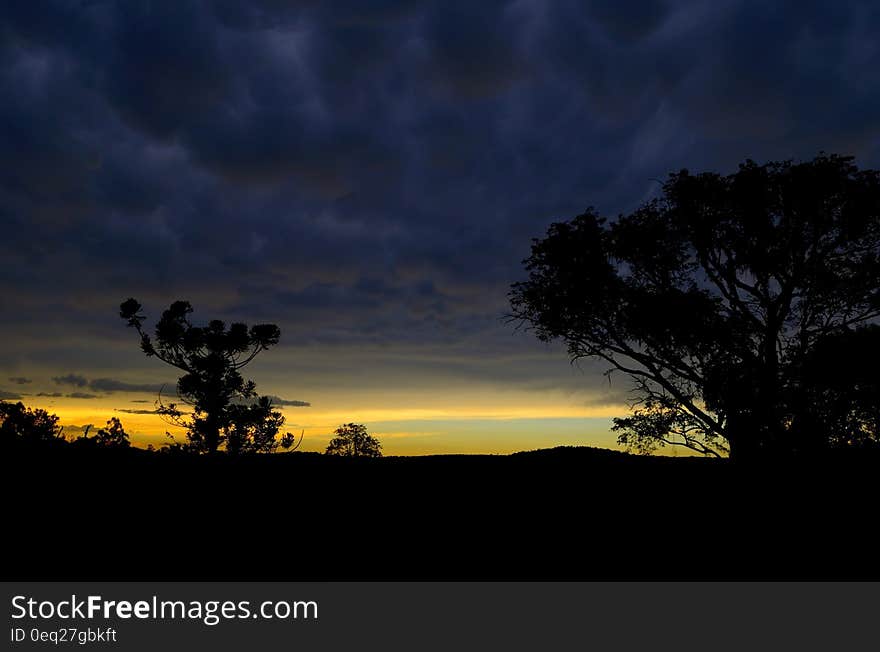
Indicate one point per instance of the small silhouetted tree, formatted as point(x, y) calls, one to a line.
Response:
point(352, 440)
point(224, 409)
point(712, 297)
point(113, 436)
point(26, 424)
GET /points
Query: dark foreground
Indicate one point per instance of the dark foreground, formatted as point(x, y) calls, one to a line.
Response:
point(572, 513)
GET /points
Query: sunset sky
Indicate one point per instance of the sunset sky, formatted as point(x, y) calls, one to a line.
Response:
point(369, 177)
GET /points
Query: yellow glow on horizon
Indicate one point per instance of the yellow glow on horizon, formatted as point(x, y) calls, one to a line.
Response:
point(409, 423)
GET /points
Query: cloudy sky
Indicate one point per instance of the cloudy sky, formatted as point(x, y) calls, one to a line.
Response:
point(368, 176)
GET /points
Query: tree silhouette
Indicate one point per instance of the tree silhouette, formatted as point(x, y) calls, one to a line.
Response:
point(352, 440)
point(712, 296)
point(26, 424)
point(113, 436)
point(224, 411)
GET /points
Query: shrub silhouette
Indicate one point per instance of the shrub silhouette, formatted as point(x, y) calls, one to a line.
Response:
point(712, 297)
point(352, 440)
point(224, 409)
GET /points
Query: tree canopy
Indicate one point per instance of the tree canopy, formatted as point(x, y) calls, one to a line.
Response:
point(18, 422)
point(840, 389)
point(226, 411)
point(352, 440)
point(716, 298)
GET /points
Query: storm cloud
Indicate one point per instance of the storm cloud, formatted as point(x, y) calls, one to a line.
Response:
point(371, 174)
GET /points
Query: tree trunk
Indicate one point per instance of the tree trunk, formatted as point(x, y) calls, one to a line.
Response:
point(768, 421)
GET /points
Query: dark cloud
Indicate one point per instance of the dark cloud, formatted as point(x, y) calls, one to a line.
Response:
point(107, 385)
point(283, 402)
point(475, 49)
point(168, 69)
point(110, 385)
point(135, 411)
point(71, 379)
point(372, 173)
point(276, 401)
point(50, 394)
point(624, 25)
point(20, 380)
point(83, 395)
point(8, 396)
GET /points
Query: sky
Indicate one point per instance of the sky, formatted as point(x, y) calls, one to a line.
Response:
point(369, 176)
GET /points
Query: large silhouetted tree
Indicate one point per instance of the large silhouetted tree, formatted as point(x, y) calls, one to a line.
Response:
point(713, 297)
point(352, 440)
point(225, 408)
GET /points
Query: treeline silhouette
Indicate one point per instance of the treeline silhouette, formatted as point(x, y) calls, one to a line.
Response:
point(34, 430)
point(570, 513)
point(92, 508)
point(22, 427)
